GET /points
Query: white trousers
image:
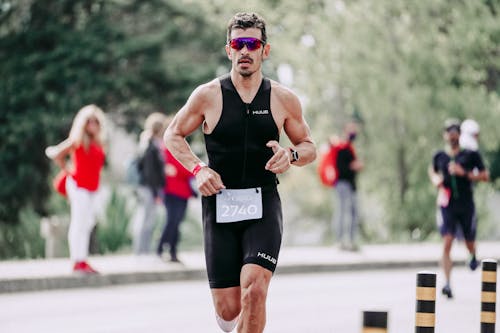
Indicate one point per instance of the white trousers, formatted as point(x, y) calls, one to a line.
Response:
point(83, 219)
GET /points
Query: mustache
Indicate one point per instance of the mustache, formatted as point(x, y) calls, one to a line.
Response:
point(245, 58)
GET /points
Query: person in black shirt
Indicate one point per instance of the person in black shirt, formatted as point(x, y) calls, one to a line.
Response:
point(242, 115)
point(151, 166)
point(453, 172)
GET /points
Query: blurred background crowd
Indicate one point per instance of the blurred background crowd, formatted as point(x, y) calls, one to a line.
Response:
point(396, 68)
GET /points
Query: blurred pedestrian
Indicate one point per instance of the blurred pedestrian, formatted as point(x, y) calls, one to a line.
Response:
point(85, 148)
point(242, 115)
point(347, 166)
point(151, 170)
point(452, 172)
point(177, 191)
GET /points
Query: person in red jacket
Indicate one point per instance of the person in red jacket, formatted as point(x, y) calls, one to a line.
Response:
point(177, 191)
point(84, 146)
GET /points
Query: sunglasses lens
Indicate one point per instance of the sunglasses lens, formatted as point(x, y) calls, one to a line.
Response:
point(252, 44)
point(236, 44)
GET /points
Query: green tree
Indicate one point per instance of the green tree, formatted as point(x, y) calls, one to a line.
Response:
point(129, 57)
point(404, 67)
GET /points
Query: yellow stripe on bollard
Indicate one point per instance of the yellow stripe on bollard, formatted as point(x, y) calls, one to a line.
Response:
point(426, 294)
point(425, 319)
point(488, 296)
point(489, 276)
point(488, 317)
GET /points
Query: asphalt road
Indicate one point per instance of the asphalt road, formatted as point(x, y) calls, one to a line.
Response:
point(305, 303)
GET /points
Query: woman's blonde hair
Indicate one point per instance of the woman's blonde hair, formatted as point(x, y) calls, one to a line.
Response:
point(77, 133)
point(154, 123)
point(153, 127)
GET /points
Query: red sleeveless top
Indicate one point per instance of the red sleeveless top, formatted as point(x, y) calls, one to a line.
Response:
point(87, 165)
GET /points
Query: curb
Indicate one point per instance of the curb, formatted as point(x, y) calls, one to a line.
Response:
point(115, 279)
point(100, 280)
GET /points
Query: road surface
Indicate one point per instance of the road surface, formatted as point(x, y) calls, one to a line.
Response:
point(304, 303)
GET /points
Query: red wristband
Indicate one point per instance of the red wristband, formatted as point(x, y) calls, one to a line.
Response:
point(197, 168)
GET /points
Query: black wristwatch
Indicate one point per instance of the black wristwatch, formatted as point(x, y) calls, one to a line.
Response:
point(295, 155)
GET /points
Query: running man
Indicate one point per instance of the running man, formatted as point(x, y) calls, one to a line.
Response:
point(453, 173)
point(242, 115)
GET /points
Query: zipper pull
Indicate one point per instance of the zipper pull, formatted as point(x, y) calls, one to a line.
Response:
point(248, 109)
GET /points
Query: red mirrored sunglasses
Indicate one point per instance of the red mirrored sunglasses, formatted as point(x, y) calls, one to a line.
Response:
point(251, 43)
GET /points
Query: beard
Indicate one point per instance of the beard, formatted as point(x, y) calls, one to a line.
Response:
point(245, 72)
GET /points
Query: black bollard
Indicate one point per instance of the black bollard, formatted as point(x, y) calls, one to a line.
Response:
point(374, 322)
point(425, 318)
point(488, 295)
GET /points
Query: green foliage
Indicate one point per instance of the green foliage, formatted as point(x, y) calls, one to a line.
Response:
point(129, 57)
point(112, 233)
point(22, 240)
point(402, 67)
point(418, 71)
point(494, 157)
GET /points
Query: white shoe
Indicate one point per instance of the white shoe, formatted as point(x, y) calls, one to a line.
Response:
point(226, 326)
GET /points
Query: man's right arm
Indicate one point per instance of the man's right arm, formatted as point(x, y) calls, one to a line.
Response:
point(434, 176)
point(185, 122)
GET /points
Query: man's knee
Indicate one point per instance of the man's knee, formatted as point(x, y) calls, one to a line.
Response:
point(255, 293)
point(227, 304)
point(448, 241)
point(254, 286)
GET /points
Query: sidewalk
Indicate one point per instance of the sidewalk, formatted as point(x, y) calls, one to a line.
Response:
point(47, 274)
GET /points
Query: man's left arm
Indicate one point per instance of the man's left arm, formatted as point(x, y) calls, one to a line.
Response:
point(479, 173)
point(297, 131)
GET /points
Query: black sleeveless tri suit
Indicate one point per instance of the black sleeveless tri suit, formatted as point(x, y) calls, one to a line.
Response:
point(237, 150)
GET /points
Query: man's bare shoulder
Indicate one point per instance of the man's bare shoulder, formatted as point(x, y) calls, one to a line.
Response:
point(285, 96)
point(207, 91)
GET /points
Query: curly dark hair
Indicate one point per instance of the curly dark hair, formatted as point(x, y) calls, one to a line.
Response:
point(245, 21)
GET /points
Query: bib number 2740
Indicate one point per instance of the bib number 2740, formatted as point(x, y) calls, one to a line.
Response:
point(239, 205)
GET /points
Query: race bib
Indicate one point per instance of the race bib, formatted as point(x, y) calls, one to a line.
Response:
point(239, 205)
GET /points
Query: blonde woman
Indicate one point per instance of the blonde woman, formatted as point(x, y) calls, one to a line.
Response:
point(151, 182)
point(84, 146)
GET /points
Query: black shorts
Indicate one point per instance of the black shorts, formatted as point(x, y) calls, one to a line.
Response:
point(459, 219)
point(229, 246)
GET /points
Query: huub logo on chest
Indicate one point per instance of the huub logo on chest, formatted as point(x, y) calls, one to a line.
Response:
point(259, 112)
